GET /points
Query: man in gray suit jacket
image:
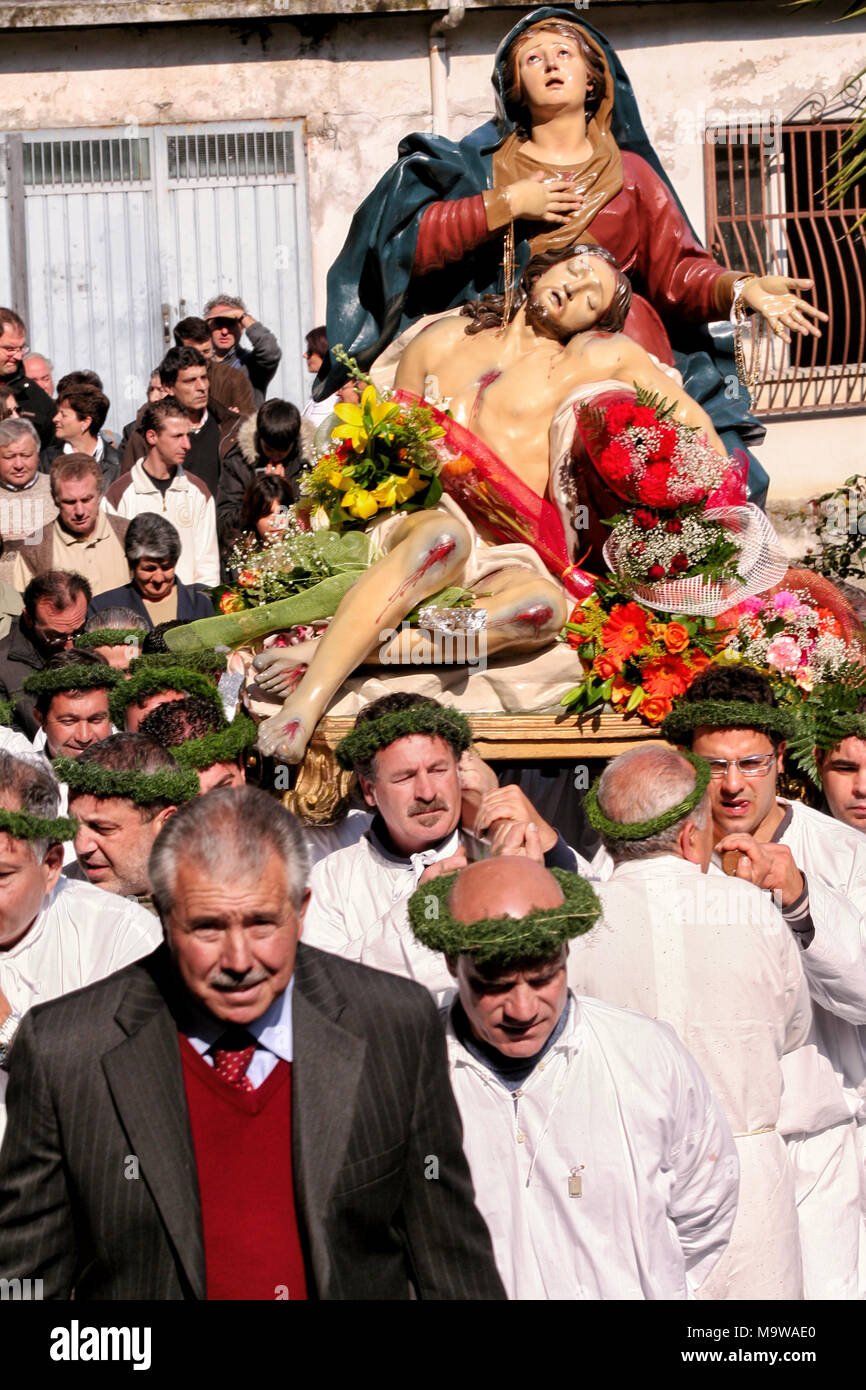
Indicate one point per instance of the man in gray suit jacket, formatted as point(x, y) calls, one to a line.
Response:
point(238, 1116)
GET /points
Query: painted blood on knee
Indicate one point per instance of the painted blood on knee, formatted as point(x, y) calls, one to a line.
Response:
point(534, 615)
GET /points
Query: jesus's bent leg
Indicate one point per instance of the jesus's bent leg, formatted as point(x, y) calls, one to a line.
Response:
point(524, 612)
point(428, 552)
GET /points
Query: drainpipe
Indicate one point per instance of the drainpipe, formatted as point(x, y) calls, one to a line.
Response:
point(438, 52)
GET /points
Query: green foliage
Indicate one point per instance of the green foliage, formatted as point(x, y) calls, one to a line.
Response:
point(500, 940)
point(645, 829)
point(370, 735)
point(728, 714)
point(842, 553)
point(22, 826)
point(91, 779)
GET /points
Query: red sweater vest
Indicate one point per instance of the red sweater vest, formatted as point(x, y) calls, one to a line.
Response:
point(243, 1153)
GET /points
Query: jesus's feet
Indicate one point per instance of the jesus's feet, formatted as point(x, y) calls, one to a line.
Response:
point(285, 735)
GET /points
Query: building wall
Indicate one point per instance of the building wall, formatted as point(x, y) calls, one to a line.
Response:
point(362, 83)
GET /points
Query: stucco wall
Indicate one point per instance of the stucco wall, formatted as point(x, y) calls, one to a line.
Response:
point(361, 83)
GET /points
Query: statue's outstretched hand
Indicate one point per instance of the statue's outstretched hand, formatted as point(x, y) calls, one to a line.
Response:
point(544, 199)
point(775, 296)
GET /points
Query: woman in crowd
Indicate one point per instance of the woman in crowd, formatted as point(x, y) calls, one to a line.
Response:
point(265, 508)
point(152, 548)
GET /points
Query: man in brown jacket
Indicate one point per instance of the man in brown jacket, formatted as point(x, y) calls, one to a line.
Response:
point(227, 385)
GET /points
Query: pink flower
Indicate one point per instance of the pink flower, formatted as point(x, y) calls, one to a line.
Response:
point(784, 654)
point(784, 601)
point(751, 605)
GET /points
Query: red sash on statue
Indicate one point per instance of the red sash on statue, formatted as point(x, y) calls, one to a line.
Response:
point(499, 502)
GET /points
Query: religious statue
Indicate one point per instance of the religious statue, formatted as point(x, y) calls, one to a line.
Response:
point(505, 370)
point(566, 158)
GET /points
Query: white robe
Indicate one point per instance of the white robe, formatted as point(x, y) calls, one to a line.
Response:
point(820, 1120)
point(14, 743)
point(822, 1113)
point(358, 910)
point(619, 1103)
point(80, 935)
point(711, 956)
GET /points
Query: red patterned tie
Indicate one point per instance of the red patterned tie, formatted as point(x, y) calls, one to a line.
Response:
point(232, 1057)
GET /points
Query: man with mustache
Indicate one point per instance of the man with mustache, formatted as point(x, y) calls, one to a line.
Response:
point(281, 1108)
point(817, 870)
point(405, 751)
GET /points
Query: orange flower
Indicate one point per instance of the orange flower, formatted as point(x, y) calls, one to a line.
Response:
point(696, 661)
point(654, 708)
point(620, 691)
point(666, 676)
point(676, 638)
point(626, 630)
point(607, 664)
point(230, 603)
point(832, 622)
point(454, 467)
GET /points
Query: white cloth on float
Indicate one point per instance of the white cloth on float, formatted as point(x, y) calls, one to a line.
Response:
point(80, 935)
point(618, 1103)
point(711, 956)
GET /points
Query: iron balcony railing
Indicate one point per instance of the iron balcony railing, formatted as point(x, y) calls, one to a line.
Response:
point(767, 211)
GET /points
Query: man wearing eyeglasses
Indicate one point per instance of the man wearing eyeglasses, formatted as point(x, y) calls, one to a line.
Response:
point(228, 321)
point(816, 869)
point(33, 403)
point(55, 612)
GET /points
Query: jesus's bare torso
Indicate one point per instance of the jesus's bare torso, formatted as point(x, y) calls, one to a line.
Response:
point(506, 387)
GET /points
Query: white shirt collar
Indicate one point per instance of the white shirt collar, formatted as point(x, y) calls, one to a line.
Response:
point(97, 453)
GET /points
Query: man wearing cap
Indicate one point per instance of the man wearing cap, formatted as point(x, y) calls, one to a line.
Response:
point(203, 740)
point(601, 1161)
point(55, 935)
point(817, 870)
point(121, 793)
point(664, 948)
point(405, 751)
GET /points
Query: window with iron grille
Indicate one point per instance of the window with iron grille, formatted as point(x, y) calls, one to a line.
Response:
point(62, 165)
point(768, 212)
point(234, 156)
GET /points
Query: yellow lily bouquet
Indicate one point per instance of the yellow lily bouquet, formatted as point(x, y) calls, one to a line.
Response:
point(384, 459)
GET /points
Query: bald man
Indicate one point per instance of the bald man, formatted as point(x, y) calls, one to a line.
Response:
point(601, 1162)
